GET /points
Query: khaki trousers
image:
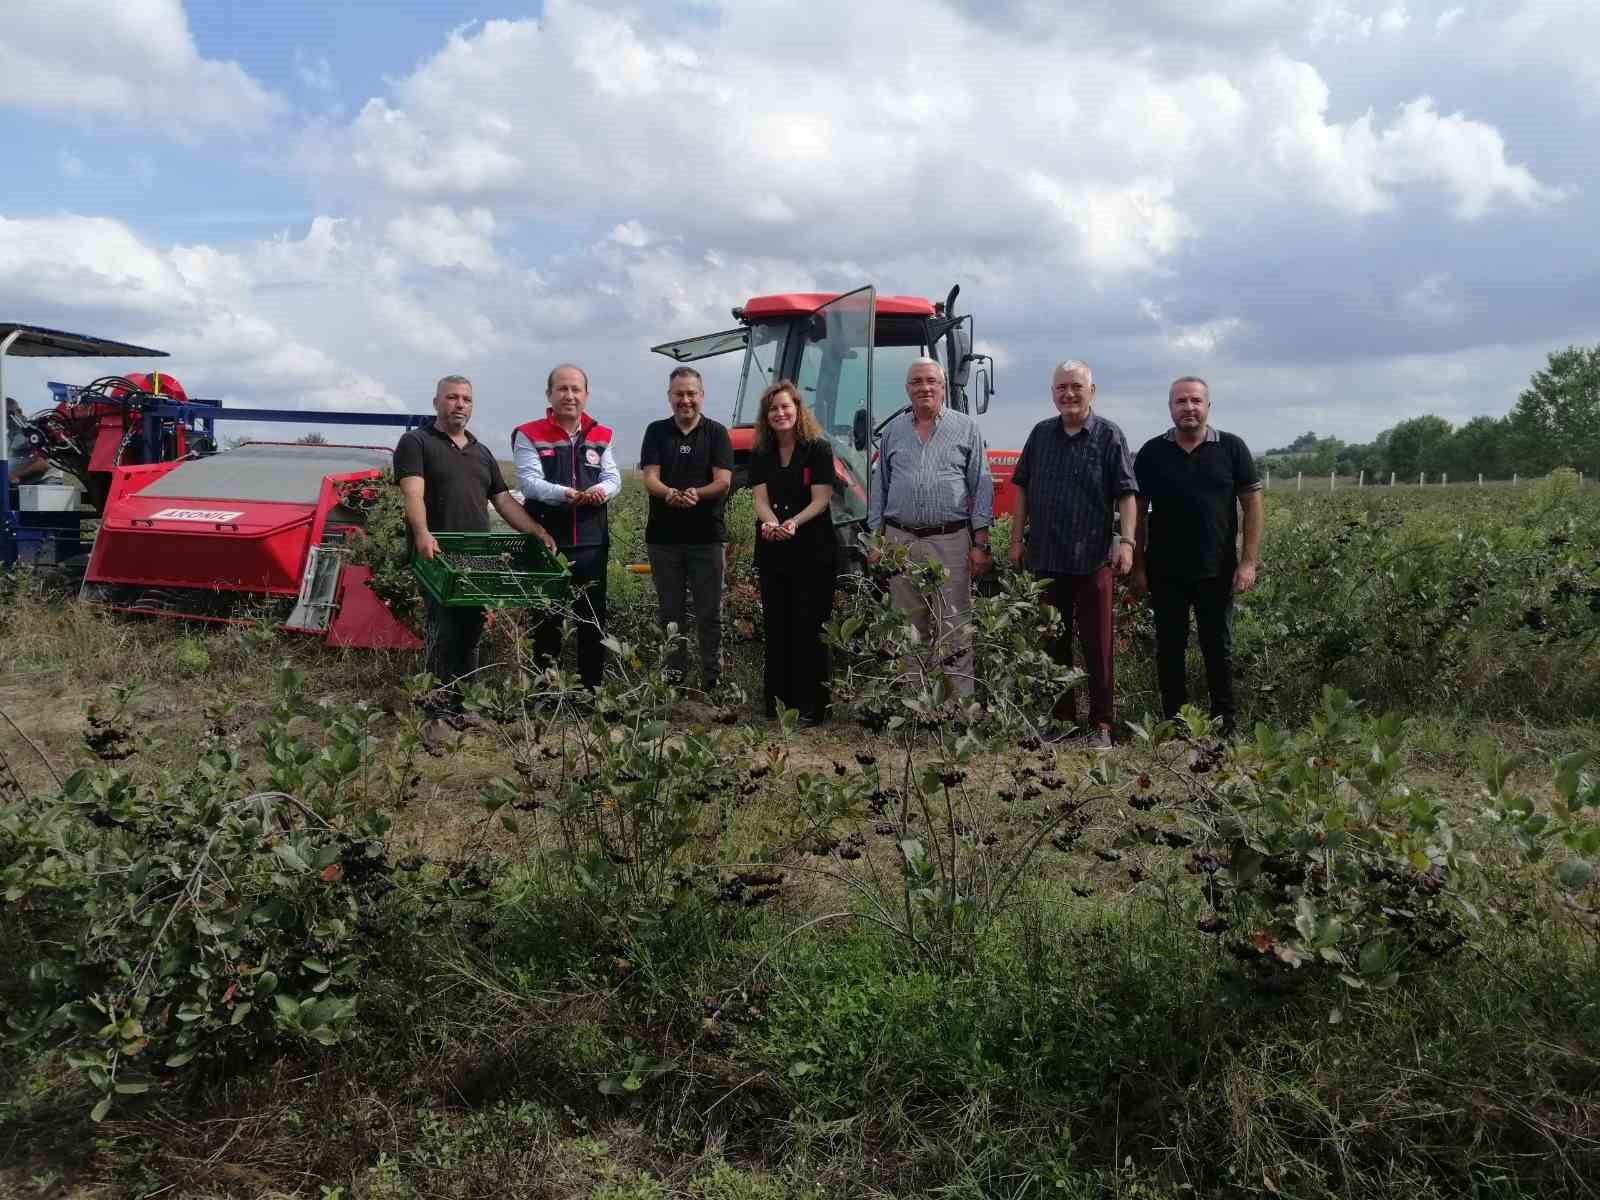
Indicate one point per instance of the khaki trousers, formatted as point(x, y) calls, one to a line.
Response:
point(944, 627)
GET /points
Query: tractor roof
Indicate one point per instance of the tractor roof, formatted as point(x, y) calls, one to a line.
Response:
point(38, 342)
point(799, 304)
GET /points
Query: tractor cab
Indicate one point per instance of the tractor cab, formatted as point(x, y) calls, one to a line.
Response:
point(848, 354)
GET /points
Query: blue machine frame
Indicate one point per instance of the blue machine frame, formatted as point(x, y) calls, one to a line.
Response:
point(197, 415)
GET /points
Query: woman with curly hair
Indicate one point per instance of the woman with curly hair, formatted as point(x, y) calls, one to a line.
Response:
point(797, 556)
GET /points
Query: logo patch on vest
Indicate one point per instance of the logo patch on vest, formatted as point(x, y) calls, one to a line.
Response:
point(592, 456)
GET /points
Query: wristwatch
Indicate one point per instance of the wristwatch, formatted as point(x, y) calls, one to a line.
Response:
point(1126, 541)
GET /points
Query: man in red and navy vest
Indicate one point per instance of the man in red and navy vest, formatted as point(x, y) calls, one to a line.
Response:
point(568, 476)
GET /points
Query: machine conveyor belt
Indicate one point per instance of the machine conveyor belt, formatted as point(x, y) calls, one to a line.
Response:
point(288, 474)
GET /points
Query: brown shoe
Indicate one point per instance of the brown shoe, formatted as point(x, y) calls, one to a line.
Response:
point(1100, 739)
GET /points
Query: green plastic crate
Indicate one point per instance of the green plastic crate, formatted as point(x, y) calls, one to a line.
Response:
point(491, 570)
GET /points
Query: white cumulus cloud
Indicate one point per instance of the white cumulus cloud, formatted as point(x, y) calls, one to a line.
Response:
point(129, 60)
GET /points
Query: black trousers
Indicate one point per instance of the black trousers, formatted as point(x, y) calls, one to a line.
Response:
point(1212, 603)
point(450, 648)
point(589, 605)
point(796, 602)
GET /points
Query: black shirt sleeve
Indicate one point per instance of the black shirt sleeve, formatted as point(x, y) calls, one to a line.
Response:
point(721, 449)
point(650, 450)
point(497, 479)
point(1245, 478)
point(1020, 472)
point(1120, 479)
point(1141, 470)
point(820, 463)
point(760, 470)
point(408, 457)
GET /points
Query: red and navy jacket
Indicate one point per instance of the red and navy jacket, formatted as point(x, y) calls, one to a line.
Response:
point(574, 464)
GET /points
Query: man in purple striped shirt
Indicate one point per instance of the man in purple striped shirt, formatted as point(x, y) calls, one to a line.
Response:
point(1073, 476)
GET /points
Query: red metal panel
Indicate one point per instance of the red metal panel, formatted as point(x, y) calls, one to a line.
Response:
point(799, 304)
point(229, 545)
point(364, 621)
point(1001, 465)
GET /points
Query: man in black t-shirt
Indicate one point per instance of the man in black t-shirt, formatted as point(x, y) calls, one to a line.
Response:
point(448, 479)
point(687, 461)
point(1194, 480)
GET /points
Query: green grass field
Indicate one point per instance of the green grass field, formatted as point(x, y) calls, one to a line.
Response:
point(665, 949)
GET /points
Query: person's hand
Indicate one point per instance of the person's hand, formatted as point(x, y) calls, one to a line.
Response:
point(1138, 581)
point(789, 528)
point(769, 530)
point(1121, 558)
point(1014, 553)
point(1244, 577)
point(544, 537)
point(427, 545)
point(979, 560)
point(595, 495)
point(574, 496)
point(691, 496)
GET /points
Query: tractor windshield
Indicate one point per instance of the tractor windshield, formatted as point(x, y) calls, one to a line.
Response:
point(762, 362)
point(835, 376)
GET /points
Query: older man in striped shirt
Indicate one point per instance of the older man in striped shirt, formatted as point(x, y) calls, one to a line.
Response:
point(933, 493)
point(1073, 477)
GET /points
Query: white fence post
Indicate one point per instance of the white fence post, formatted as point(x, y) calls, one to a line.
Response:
point(1445, 478)
point(1269, 479)
point(1422, 479)
point(1330, 480)
point(1480, 478)
point(1513, 479)
point(1299, 478)
point(1361, 480)
point(1391, 478)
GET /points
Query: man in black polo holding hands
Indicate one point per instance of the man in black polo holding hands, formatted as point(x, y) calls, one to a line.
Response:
point(448, 479)
point(687, 462)
point(1073, 475)
point(1196, 479)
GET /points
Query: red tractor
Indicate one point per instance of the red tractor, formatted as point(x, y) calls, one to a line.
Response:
point(849, 354)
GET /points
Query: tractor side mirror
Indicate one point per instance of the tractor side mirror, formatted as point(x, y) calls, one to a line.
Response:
point(985, 366)
point(858, 429)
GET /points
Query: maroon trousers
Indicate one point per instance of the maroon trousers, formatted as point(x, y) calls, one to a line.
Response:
point(1085, 601)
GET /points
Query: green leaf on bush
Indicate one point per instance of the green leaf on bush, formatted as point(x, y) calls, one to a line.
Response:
point(315, 964)
point(290, 856)
point(1575, 874)
point(99, 1111)
point(133, 1089)
point(179, 1060)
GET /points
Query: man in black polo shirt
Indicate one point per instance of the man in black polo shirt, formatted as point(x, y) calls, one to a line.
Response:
point(1073, 475)
point(448, 479)
point(1195, 479)
point(687, 461)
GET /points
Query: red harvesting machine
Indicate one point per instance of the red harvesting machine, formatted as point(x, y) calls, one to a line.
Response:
point(258, 531)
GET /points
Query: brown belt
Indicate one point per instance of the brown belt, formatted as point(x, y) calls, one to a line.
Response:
point(927, 531)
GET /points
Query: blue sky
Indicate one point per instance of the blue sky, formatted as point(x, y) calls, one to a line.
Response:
point(1341, 212)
